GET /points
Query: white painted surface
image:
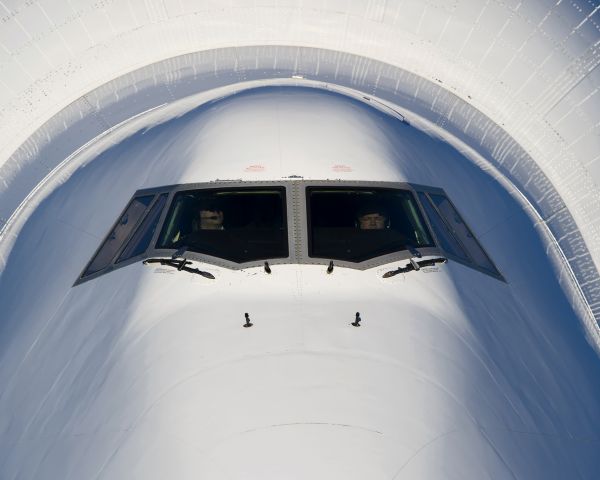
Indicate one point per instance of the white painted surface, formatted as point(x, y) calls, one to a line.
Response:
point(517, 81)
point(147, 374)
point(529, 68)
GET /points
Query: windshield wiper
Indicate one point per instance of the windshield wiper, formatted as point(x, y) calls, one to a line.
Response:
point(415, 266)
point(413, 250)
point(179, 264)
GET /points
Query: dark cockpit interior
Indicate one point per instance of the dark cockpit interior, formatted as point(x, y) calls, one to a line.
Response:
point(240, 225)
point(355, 224)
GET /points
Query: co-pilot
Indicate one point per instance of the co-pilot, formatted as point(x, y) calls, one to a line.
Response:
point(372, 218)
point(209, 217)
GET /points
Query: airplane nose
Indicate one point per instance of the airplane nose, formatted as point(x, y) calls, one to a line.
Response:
point(292, 414)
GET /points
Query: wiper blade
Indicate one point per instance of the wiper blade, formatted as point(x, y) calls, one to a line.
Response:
point(414, 266)
point(179, 265)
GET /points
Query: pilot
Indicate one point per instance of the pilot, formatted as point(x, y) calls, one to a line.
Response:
point(372, 217)
point(209, 217)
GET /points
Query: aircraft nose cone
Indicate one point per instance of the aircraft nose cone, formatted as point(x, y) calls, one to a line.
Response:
point(292, 415)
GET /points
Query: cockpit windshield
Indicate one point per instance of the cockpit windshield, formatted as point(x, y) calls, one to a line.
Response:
point(356, 224)
point(236, 224)
point(246, 224)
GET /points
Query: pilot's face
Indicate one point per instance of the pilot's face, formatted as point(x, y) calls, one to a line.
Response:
point(211, 219)
point(372, 221)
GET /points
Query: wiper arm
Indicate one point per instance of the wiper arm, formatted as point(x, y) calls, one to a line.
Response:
point(180, 252)
point(415, 265)
point(413, 251)
point(179, 265)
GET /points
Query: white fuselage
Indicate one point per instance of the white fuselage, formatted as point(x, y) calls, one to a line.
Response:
point(147, 372)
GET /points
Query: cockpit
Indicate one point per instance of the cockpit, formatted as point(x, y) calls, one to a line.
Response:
point(244, 224)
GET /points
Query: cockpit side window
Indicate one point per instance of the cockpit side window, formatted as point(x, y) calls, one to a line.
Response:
point(140, 240)
point(447, 241)
point(462, 232)
point(456, 239)
point(356, 224)
point(236, 224)
point(119, 234)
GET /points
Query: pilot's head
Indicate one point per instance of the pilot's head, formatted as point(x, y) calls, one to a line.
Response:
point(372, 217)
point(210, 217)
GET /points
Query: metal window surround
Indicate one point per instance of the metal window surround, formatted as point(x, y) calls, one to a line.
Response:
point(297, 226)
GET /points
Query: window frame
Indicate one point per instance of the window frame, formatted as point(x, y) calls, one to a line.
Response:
point(426, 190)
point(156, 192)
point(376, 260)
point(117, 260)
point(225, 185)
point(297, 215)
point(224, 188)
